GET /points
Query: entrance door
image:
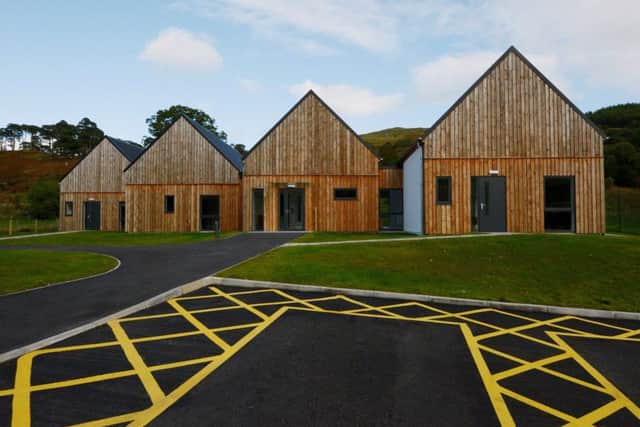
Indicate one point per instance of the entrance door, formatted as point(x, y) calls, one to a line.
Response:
point(92, 215)
point(391, 212)
point(490, 206)
point(258, 209)
point(291, 209)
point(121, 215)
point(209, 213)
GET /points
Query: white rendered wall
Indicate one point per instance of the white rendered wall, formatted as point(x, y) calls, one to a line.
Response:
point(412, 192)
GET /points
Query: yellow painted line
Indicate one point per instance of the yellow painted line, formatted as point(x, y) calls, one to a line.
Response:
point(526, 366)
point(6, 392)
point(149, 317)
point(148, 415)
point(595, 322)
point(148, 381)
point(118, 419)
point(629, 334)
point(21, 406)
point(257, 291)
point(197, 297)
point(182, 363)
point(520, 328)
point(537, 405)
point(294, 299)
point(597, 415)
point(234, 327)
point(241, 303)
point(499, 406)
point(200, 326)
point(79, 347)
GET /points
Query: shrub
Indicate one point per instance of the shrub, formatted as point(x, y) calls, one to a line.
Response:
point(42, 199)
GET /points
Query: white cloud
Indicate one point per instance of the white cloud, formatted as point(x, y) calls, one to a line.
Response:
point(444, 79)
point(250, 86)
point(364, 23)
point(348, 99)
point(178, 49)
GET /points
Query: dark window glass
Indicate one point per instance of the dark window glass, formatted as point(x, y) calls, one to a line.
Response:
point(443, 190)
point(68, 208)
point(559, 204)
point(345, 193)
point(258, 209)
point(169, 204)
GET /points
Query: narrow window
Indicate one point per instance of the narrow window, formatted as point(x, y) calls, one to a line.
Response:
point(169, 204)
point(443, 190)
point(559, 205)
point(345, 193)
point(68, 208)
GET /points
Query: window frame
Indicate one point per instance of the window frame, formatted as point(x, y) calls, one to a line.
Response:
point(338, 198)
point(68, 212)
point(166, 203)
point(438, 201)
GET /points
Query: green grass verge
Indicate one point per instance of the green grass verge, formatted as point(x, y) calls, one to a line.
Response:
point(339, 237)
point(623, 210)
point(581, 271)
point(23, 269)
point(108, 238)
point(23, 225)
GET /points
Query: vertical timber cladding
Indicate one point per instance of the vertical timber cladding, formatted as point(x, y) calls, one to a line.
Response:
point(390, 177)
point(517, 123)
point(184, 164)
point(312, 148)
point(97, 177)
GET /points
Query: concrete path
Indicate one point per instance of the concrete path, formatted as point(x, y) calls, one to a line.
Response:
point(26, 236)
point(399, 239)
point(145, 272)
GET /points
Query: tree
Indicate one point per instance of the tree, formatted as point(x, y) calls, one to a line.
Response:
point(88, 135)
point(622, 163)
point(162, 119)
point(240, 148)
point(42, 199)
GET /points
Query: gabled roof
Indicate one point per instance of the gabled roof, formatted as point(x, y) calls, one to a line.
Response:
point(324, 104)
point(128, 149)
point(228, 152)
point(412, 150)
point(553, 87)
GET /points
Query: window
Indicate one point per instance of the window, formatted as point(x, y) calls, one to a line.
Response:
point(443, 190)
point(169, 204)
point(345, 193)
point(559, 214)
point(258, 209)
point(68, 208)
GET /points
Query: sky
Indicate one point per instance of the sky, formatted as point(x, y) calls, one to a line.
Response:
point(377, 63)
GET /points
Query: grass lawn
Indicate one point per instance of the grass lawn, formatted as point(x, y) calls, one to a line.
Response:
point(338, 237)
point(623, 210)
point(24, 269)
point(581, 271)
point(23, 225)
point(112, 238)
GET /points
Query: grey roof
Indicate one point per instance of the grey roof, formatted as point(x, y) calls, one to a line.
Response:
point(129, 149)
point(230, 153)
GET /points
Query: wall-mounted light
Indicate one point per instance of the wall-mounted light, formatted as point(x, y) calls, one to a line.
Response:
point(291, 185)
point(494, 172)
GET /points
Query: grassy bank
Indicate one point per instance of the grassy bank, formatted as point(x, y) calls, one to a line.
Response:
point(26, 269)
point(24, 225)
point(106, 238)
point(340, 237)
point(623, 210)
point(584, 271)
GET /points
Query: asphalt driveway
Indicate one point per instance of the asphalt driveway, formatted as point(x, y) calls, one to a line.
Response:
point(145, 272)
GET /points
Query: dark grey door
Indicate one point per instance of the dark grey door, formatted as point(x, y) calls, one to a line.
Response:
point(291, 209)
point(121, 215)
point(391, 209)
point(491, 205)
point(258, 209)
point(92, 215)
point(209, 213)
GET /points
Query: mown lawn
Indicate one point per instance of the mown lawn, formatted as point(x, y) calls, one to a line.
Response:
point(24, 225)
point(339, 237)
point(580, 271)
point(623, 210)
point(25, 269)
point(109, 238)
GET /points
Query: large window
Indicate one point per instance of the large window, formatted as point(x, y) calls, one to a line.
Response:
point(443, 190)
point(169, 204)
point(345, 193)
point(68, 208)
point(559, 205)
point(391, 209)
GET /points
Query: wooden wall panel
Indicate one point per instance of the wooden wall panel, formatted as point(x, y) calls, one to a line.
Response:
point(109, 213)
point(145, 207)
point(390, 178)
point(311, 140)
point(100, 171)
point(525, 192)
point(182, 156)
point(511, 113)
point(322, 212)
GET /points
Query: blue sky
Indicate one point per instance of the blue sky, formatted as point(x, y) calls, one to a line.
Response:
point(378, 63)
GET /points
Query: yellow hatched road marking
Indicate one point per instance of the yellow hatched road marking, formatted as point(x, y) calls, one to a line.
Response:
point(241, 303)
point(148, 381)
point(537, 405)
point(199, 325)
point(21, 406)
point(118, 419)
point(599, 414)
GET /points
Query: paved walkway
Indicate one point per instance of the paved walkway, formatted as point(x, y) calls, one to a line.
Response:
point(399, 239)
point(145, 272)
point(26, 236)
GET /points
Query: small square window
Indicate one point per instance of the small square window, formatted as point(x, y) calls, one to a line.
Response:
point(443, 190)
point(345, 193)
point(68, 208)
point(169, 204)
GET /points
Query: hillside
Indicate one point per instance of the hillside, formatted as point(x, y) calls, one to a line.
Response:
point(392, 144)
point(19, 170)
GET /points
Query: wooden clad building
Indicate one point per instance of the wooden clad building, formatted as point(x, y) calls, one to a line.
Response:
point(92, 194)
point(311, 171)
point(513, 154)
point(186, 180)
